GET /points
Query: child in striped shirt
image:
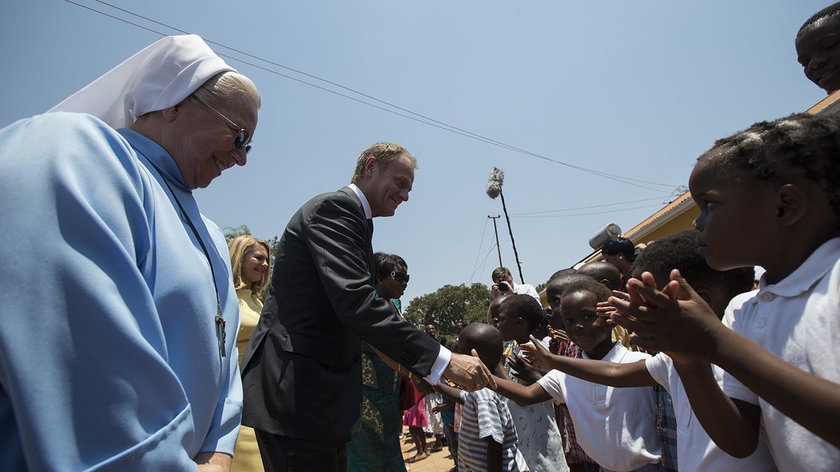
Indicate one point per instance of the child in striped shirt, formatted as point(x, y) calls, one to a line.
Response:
point(487, 440)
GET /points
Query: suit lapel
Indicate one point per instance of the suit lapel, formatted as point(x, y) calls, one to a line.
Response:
point(368, 236)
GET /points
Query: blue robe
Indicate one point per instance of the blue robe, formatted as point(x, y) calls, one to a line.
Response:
point(109, 352)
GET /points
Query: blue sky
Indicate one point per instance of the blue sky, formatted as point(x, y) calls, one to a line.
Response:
point(637, 89)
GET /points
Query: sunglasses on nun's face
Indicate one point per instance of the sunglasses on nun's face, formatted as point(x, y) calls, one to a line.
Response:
point(241, 138)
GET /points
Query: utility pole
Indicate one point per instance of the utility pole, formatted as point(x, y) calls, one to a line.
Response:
point(496, 230)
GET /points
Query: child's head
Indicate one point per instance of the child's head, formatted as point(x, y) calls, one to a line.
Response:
point(582, 323)
point(493, 309)
point(817, 48)
point(562, 273)
point(768, 192)
point(679, 251)
point(519, 316)
point(603, 272)
point(554, 293)
point(619, 252)
point(486, 341)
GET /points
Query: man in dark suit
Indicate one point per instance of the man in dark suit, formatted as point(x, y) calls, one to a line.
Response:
point(301, 371)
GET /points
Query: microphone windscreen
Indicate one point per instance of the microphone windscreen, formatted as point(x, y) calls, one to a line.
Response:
point(494, 183)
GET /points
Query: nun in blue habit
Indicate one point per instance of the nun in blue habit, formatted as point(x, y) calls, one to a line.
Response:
point(119, 318)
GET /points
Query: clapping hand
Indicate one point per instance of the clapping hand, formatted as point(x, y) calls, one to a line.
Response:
point(675, 320)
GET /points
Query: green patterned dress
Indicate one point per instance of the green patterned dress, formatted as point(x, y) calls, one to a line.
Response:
point(376, 447)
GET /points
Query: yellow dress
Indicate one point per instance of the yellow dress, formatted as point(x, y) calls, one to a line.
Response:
point(246, 454)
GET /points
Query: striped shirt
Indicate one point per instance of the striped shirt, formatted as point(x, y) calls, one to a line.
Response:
point(485, 414)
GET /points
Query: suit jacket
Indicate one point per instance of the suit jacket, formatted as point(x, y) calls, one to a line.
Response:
point(301, 371)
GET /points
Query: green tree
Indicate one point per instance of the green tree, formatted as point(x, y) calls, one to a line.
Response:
point(231, 232)
point(449, 305)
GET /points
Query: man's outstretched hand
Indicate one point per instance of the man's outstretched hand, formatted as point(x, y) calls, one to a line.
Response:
point(469, 372)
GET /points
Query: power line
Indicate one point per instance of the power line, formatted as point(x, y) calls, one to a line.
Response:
point(403, 112)
point(589, 214)
point(534, 213)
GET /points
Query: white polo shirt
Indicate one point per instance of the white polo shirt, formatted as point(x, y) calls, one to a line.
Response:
point(797, 319)
point(695, 449)
point(616, 427)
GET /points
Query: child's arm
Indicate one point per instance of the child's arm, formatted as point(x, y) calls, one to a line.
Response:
point(732, 424)
point(494, 455)
point(521, 394)
point(679, 322)
point(451, 393)
point(601, 372)
point(443, 406)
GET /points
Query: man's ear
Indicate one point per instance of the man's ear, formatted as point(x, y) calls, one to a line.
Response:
point(370, 164)
point(791, 204)
point(171, 113)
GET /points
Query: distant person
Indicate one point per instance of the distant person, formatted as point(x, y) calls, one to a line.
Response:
point(249, 262)
point(503, 284)
point(816, 48)
point(693, 450)
point(118, 333)
point(302, 374)
point(768, 197)
point(621, 253)
point(615, 427)
point(604, 272)
point(487, 440)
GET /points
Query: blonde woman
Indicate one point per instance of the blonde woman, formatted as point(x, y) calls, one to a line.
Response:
point(249, 264)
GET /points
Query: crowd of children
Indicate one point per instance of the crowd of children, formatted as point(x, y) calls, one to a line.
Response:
point(687, 366)
point(758, 392)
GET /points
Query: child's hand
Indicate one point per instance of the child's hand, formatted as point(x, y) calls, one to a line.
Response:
point(525, 372)
point(605, 310)
point(536, 353)
point(557, 334)
point(675, 320)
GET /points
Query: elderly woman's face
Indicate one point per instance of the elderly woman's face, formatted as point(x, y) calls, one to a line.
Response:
point(202, 142)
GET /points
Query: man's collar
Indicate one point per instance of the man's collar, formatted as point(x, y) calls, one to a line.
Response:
point(365, 204)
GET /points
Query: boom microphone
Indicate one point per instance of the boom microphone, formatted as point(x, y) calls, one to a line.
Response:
point(494, 184)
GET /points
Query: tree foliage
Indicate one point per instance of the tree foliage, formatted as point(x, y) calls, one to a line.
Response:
point(449, 305)
point(231, 232)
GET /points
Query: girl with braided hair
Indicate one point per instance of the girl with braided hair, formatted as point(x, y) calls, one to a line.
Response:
point(768, 196)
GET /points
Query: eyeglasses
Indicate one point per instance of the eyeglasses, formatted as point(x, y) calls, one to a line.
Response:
point(400, 276)
point(241, 140)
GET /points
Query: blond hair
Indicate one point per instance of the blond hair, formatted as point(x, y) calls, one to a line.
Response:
point(239, 247)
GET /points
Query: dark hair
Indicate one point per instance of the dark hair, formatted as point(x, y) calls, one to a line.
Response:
point(385, 263)
point(602, 271)
point(601, 292)
point(558, 285)
point(561, 273)
point(526, 307)
point(623, 245)
point(772, 150)
point(830, 11)
point(485, 339)
point(679, 251)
